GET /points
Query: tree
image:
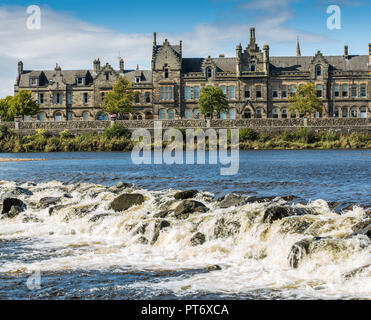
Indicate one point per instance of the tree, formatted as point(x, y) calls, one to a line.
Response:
point(120, 99)
point(212, 99)
point(21, 104)
point(305, 100)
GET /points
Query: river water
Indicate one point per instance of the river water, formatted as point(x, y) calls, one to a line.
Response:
point(80, 255)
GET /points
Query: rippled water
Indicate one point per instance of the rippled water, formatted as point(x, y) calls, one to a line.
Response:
point(84, 258)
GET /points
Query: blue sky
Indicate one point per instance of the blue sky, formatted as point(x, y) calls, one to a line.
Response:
point(74, 33)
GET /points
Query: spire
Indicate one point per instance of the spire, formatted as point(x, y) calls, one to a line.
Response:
point(298, 52)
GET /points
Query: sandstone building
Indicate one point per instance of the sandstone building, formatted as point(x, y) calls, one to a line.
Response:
point(256, 84)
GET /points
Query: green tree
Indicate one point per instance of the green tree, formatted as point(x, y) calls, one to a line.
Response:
point(5, 109)
point(212, 99)
point(305, 100)
point(120, 99)
point(21, 104)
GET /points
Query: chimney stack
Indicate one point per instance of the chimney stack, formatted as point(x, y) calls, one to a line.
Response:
point(20, 67)
point(154, 39)
point(252, 36)
point(346, 53)
point(121, 65)
point(266, 58)
point(369, 53)
point(96, 66)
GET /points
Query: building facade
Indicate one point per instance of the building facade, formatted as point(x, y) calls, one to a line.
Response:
point(256, 85)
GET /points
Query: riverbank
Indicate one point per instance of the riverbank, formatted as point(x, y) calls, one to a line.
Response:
point(18, 160)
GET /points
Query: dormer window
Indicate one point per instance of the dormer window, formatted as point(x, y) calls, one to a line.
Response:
point(34, 81)
point(318, 71)
point(107, 76)
point(209, 73)
point(253, 67)
point(166, 73)
point(137, 79)
point(80, 81)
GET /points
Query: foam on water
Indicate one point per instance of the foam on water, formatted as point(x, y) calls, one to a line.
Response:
point(253, 254)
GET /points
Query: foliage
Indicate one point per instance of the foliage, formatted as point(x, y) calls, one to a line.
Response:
point(4, 131)
point(21, 104)
point(120, 99)
point(305, 100)
point(248, 134)
point(42, 133)
point(65, 134)
point(6, 108)
point(117, 130)
point(305, 135)
point(212, 99)
point(328, 136)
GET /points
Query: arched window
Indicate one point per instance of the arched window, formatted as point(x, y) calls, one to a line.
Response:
point(354, 112)
point(275, 113)
point(209, 72)
point(102, 116)
point(58, 117)
point(284, 114)
point(232, 113)
point(259, 113)
point(166, 73)
point(69, 116)
point(41, 117)
point(85, 116)
point(363, 112)
point(171, 114)
point(247, 114)
point(162, 114)
point(318, 71)
point(223, 115)
point(344, 112)
point(188, 114)
point(196, 113)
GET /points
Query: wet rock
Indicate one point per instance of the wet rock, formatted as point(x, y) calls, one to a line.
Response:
point(275, 213)
point(289, 198)
point(187, 207)
point(363, 227)
point(122, 185)
point(48, 201)
point(31, 219)
point(162, 214)
point(126, 201)
point(68, 196)
point(12, 207)
point(198, 239)
point(260, 199)
point(141, 229)
point(158, 227)
point(298, 251)
point(226, 229)
point(183, 195)
point(333, 205)
point(23, 191)
point(232, 200)
point(213, 268)
point(99, 217)
point(356, 271)
point(298, 211)
point(57, 208)
point(294, 225)
point(142, 240)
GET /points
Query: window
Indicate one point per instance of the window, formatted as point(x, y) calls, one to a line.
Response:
point(137, 116)
point(354, 113)
point(247, 114)
point(85, 98)
point(196, 114)
point(232, 113)
point(319, 88)
point(26, 118)
point(85, 116)
point(247, 93)
point(232, 92)
point(292, 89)
point(284, 92)
point(57, 98)
point(363, 90)
point(363, 112)
point(253, 68)
point(58, 117)
point(107, 76)
point(137, 98)
point(187, 93)
point(318, 71)
point(209, 73)
point(188, 114)
point(166, 93)
point(162, 114)
point(102, 116)
point(258, 92)
point(344, 90)
point(223, 115)
point(275, 93)
point(284, 114)
point(80, 81)
point(41, 117)
point(275, 113)
point(148, 97)
point(69, 116)
point(345, 112)
point(259, 113)
point(102, 95)
point(137, 79)
point(224, 89)
point(41, 98)
point(336, 91)
point(171, 115)
point(354, 90)
point(166, 74)
point(34, 82)
point(196, 93)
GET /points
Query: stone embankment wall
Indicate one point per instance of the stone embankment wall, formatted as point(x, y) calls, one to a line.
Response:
point(269, 126)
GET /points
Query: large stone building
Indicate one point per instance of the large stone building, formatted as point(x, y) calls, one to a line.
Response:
point(256, 84)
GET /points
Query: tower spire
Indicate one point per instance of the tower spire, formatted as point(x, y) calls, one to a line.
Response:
point(298, 51)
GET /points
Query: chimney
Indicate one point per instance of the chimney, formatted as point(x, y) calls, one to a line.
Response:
point(181, 48)
point(266, 58)
point(96, 66)
point(346, 55)
point(154, 39)
point(58, 69)
point(369, 53)
point(20, 67)
point(252, 36)
point(121, 65)
point(238, 57)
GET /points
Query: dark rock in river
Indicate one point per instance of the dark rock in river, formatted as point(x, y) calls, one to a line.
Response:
point(231, 200)
point(213, 268)
point(187, 207)
point(68, 196)
point(99, 217)
point(275, 213)
point(183, 195)
point(162, 214)
point(226, 229)
point(356, 271)
point(48, 201)
point(298, 251)
point(289, 198)
point(29, 219)
point(198, 239)
point(20, 190)
point(141, 229)
point(158, 227)
point(126, 201)
point(142, 240)
point(12, 207)
point(363, 227)
point(260, 199)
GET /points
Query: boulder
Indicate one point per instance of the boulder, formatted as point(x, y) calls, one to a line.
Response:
point(126, 201)
point(184, 195)
point(231, 200)
point(213, 268)
point(298, 251)
point(198, 239)
point(161, 214)
point(187, 207)
point(226, 229)
point(289, 198)
point(23, 191)
point(260, 199)
point(12, 207)
point(99, 217)
point(141, 229)
point(142, 240)
point(160, 225)
point(363, 227)
point(275, 213)
point(48, 201)
point(356, 271)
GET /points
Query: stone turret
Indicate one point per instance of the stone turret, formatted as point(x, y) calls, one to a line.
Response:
point(96, 65)
point(346, 54)
point(122, 65)
point(238, 59)
point(266, 58)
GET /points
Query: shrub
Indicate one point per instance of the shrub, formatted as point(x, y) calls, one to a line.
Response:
point(305, 135)
point(42, 133)
point(65, 134)
point(4, 131)
point(248, 134)
point(328, 136)
point(117, 130)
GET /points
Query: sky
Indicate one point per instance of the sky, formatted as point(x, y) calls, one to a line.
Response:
point(74, 33)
